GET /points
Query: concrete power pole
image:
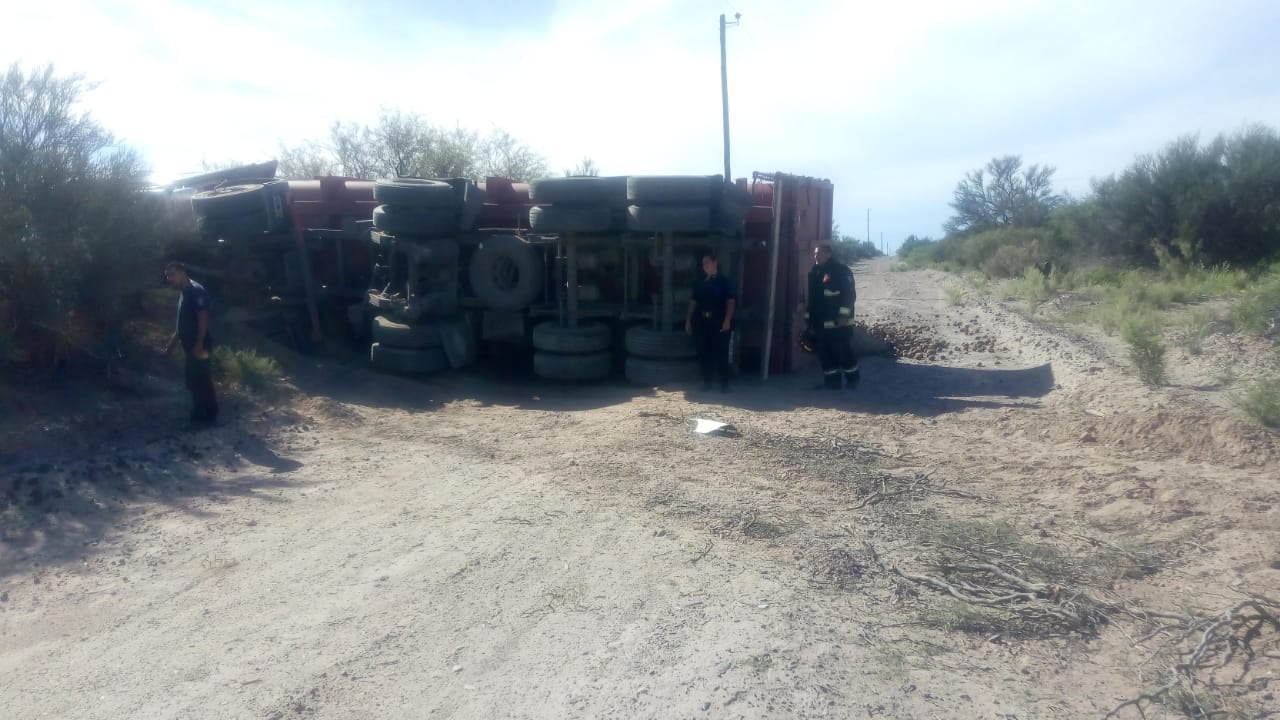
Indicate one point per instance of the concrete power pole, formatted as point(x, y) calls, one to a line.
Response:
point(724, 89)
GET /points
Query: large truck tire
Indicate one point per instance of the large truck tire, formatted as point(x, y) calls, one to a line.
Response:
point(407, 361)
point(647, 343)
point(556, 366)
point(230, 200)
point(584, 339)
point(673, 189)
point(416, 193)
point(570, 219)
point(506, 273)
point(648, 372)
point(669, 218)
point(596, 191)
point(389, 333)
point(407, 221)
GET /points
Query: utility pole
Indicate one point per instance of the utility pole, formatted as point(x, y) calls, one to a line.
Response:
point(724, 88)
point(883, 251)
point(868, 224)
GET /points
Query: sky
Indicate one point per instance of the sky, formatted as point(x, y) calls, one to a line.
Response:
point(893, 102)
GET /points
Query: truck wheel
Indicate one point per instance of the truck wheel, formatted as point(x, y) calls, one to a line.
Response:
point(570, 219)
point(651, 373)
point(673, 189)
point(599, 191)
point(398, 220)
point(390, 333)
point(646, 343)
point(231, 200)
point(407, 361)
point(555, 366)
point(669, 218)
point(417, 193)
point(506, 273)
point(587, 338)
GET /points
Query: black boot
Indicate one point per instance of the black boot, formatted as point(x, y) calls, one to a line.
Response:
point(851, 379)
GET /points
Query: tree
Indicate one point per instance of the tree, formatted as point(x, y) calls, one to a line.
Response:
point(405, 144)
point(308, 160)
point(848, 249)
point(504, 156)
point(586, 168)
point(1003, 194)
point(78, 235)
point(1194, 203)
point(912, 243)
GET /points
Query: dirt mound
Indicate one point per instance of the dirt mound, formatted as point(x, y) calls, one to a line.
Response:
point(1219, 440)
point(979, 341)
point(916, 342)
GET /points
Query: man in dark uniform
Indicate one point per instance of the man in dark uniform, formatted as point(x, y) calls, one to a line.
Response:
point(830, 318)
point(192, 332)
point(710, 321)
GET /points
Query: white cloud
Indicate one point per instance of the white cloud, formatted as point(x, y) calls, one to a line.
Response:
point(893, 102)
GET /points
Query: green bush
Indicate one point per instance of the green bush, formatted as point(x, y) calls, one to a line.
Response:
point(1146, 348)
point(1261, 401)
point(1258, 311)
point(1195, 328)
point(913, 243)
point(260, 374)
point(79, 237)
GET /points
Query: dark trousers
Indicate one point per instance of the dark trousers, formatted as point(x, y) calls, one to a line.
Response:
point(713, 351)
point(204, 402)
point(835, 352)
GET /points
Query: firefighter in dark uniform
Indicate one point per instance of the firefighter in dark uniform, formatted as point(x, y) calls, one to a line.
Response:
point(192, 332)
point(710, 321)
point(830, 318)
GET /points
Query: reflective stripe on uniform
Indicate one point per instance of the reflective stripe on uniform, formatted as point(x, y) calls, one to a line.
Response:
point(845, 311)
point(830, 372)
point(829, 324)
point(806, 316)
point(853, 369)
point(831, 293)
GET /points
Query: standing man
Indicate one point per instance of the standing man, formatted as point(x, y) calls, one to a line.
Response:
point(830, 318)
point(710, 321)
point(192, 332)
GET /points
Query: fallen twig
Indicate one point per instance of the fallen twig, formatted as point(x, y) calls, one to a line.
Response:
point(1223, 637)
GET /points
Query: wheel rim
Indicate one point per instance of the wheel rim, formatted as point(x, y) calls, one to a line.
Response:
point(505, 273)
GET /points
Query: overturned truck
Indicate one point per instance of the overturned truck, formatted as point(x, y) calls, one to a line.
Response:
point(582, 278)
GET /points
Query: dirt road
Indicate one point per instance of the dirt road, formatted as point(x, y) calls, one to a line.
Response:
point(469, 548)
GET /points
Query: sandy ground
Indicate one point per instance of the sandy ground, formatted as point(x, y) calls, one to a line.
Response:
point(464, 547)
